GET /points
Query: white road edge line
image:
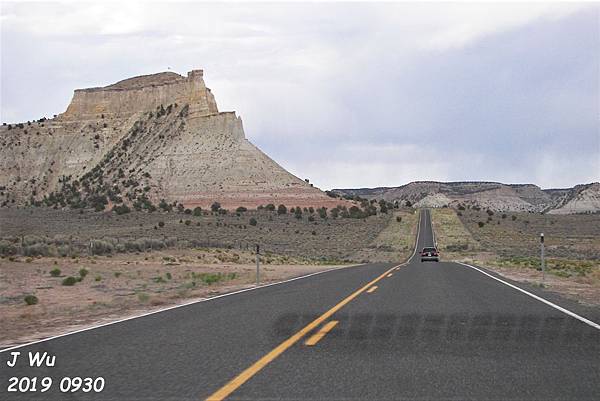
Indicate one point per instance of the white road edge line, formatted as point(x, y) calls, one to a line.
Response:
point(553, 305)
point(174, 307)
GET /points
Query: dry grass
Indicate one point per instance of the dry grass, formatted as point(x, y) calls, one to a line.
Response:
point(509, 245)
point(396, 241)
point(124, 284)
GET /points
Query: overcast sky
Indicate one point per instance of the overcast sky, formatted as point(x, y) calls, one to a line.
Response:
point(347, 95)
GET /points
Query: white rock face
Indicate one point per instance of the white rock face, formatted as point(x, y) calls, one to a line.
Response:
point(585, 201)
point(162, 132)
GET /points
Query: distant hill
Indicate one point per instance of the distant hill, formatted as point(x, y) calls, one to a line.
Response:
point(139, 141)
point(493, 195)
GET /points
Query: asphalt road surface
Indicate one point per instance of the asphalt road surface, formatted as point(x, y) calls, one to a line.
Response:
point(417, 331)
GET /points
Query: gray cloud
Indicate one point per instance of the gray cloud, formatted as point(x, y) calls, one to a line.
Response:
point(346, 95)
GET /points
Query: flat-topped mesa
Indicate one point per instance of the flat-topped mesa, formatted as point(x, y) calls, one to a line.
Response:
point(142, 94)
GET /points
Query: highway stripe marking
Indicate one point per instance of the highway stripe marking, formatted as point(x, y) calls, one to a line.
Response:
point(372, 289)
point(243, 377)
point(315, 338)
point(247, 374)
point(553, 305)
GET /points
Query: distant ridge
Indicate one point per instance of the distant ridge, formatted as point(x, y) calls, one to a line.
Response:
point(495, 196)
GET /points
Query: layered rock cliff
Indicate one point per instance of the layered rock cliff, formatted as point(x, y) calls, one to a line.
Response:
point(144, 139)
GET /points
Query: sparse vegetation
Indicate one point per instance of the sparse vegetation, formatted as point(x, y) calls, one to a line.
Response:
point(31, 299)
point(69, 281)
point(55, 272)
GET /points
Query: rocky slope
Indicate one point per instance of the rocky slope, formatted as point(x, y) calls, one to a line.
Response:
point(139, 141)
point(490, 195)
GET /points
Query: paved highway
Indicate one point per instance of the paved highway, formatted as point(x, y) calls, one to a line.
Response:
point(417, 331)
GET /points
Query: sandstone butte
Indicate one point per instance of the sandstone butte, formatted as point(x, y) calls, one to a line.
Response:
point(159, 135)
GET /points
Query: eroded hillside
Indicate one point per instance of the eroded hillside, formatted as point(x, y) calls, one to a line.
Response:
point(141, 141)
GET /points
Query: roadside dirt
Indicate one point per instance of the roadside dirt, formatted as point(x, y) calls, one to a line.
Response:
point(121, 286)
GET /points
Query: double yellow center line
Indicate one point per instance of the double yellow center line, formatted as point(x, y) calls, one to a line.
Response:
point(243, 377)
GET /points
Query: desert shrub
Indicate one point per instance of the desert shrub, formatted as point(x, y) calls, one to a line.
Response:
point(503, 215)
point(188, 222)
point(7, 248)
point(481, 224)
point(63, 250)
point(298, 213)
point(118, 274)
point(459, 213)
point(98, 278)
point(55, 272)
point(197, 211)
point(215, 206)
point(270, 207)
point(143, 297)
point(398, 219)
point(100, 247)
point(281, 209)
point(169, 275)
point(36, 249)
point(489, 212)
point(161, 224)
point(187, 211)
point(335, 212)
point(33, 240)
point(322, 212)
point(83, 272)
point(513, 217)
point(241, 209)
point(165, 206)
point(252, 221)
point(311, 218)
point(31, 299)
point(69, 281)
point(121, 209)
point(314, 233)
point(142, 244)
point(408, 204)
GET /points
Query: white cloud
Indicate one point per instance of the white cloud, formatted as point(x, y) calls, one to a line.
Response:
point(372, 83)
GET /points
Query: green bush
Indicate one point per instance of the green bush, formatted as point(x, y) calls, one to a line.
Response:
point(198, 211)
point(481, 224)
point(101, 247)
point(241, 209)
point(31, 299)
point(252, 221)
point(215, 206)
point(121, 209)
point(398, 219)
point(6, 248)
point(83, 272)
point(270, 207)
point(188, 222)
point(161, 224)
point(281, 209)
point(55, 272)
point(39, 249)
point(69, 281)
point(98, 278)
